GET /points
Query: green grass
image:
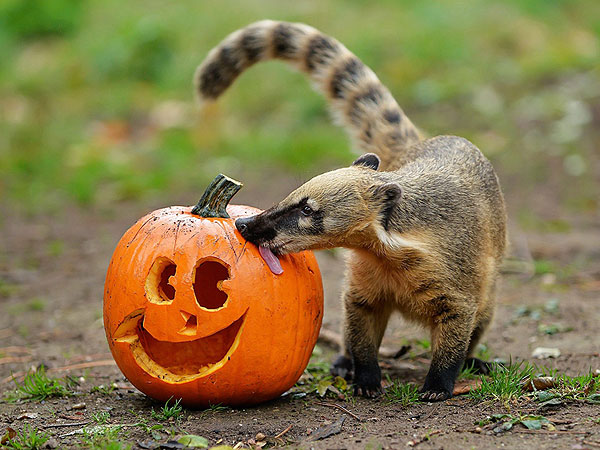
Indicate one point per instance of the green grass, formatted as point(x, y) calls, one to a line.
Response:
point(104, 389)
point(504, 383)
point(38, 386)
point(99, 106)
point(217, 408)
point(101, 417)
point(405, 394)
point(167, 411)
point(103, 438)
point(468, 373)
point(29, 438)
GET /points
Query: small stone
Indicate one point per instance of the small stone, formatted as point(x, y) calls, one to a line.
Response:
point(545, 353)
point(78, 406)
point(260, 437)
point(51, 443)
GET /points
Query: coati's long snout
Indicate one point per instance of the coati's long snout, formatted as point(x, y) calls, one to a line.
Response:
point(341, 208)
point(260, 230)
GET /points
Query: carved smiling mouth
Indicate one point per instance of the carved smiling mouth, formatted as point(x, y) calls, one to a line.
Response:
point(178, 362)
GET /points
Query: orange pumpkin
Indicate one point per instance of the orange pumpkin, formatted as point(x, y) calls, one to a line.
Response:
point(192, 312)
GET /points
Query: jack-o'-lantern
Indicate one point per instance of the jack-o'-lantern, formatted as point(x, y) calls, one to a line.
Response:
point(192, 312)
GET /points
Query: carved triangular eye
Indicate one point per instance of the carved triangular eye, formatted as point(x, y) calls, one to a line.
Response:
point(158, 284)
point(207, 284)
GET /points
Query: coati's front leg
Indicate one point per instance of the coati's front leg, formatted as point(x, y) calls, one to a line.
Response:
point(364, 326)
point(450, 336)
point(485, 317)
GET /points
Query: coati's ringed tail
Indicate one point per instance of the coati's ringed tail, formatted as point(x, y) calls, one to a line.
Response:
point(358, 99)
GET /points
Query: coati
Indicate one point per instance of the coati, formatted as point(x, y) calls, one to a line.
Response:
point(424, 220)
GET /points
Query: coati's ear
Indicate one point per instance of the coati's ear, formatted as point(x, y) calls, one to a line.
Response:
point(389, 194)
point(370, 160)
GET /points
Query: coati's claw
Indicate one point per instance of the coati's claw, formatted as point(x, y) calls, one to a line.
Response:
point(368, 391)
point(342, 367)
point(479, 366)
point(434, 396)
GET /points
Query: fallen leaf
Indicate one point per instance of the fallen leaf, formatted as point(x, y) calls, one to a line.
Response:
point(506, 426)
point(191, 440)
point(465, 386)
point(533, 424)
point(552, 402)
point(539, 383)
point(328, 430)
point(544, 396)
point(594, 398)
point(8, 435)
point(340, 383)
point(323, 386)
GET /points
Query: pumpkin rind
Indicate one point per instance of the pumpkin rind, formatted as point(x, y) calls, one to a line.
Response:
point(281, 314)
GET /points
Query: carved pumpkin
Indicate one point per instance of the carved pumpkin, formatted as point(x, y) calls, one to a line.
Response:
point(191, 310)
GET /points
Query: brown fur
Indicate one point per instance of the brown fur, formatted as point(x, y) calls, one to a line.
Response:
point(427, 235)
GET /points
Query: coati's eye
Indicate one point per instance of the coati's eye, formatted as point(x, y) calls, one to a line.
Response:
point(306, 210)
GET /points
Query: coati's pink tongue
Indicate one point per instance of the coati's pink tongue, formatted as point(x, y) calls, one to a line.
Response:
point(270, 259)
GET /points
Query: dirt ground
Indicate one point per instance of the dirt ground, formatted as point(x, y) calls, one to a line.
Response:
point(52, 270)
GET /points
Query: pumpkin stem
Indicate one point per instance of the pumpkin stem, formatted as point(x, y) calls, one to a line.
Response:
point(216, 197)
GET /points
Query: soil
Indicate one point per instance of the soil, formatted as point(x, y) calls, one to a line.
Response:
point(52, 272)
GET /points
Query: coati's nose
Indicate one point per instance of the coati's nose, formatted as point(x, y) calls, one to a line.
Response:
point(242, 226)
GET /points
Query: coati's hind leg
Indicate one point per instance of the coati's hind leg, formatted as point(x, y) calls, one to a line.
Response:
point(450, 336)
point(479, 366)
point(342, 366)
point(364, 326)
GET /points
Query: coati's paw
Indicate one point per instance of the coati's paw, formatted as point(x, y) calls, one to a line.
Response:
point(434, 396)
point(342, 367)
point(479, 366)
point(368, 390)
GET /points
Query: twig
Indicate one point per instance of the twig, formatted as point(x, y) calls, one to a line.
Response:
point(101, 363)
point(425, 437)
point(592, 443)
point(283, 432)
point(561, 421)
point(21, 375)
point(89, 358)
point(5, 332)
point(341, 408)
point(59, 425)
point(16, 349)
point(14, 359)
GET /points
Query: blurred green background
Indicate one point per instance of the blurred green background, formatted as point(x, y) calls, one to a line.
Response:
point(97, 105)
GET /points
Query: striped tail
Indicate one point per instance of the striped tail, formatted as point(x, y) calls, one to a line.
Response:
point(358, 99)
